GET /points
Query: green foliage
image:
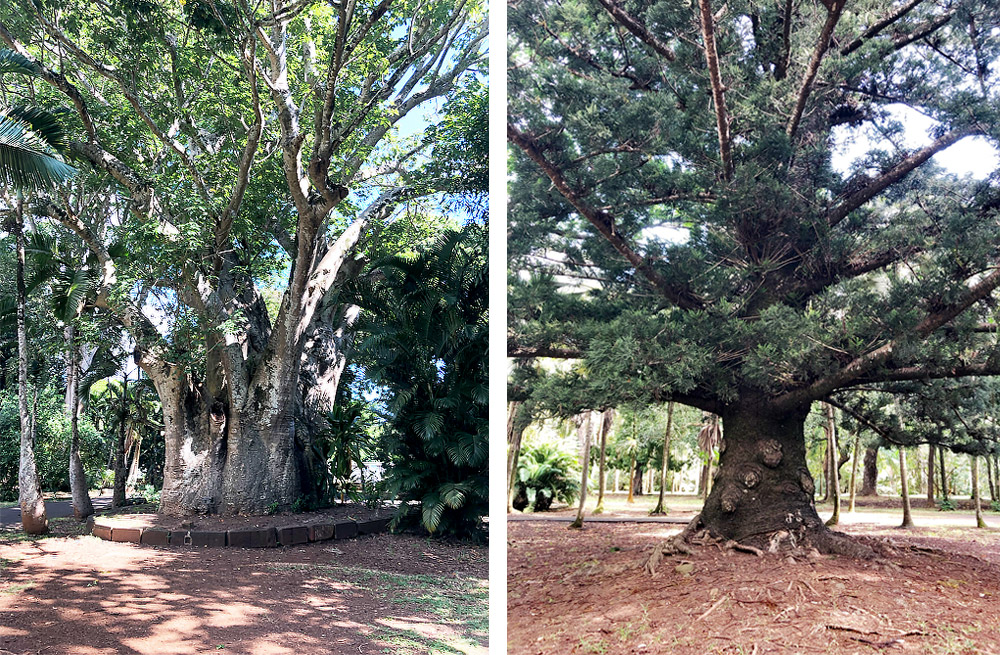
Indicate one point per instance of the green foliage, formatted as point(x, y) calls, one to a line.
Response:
point(995, 505)
point(946, 505)
point(545, 475)
point(424, 342)
point(52, 442)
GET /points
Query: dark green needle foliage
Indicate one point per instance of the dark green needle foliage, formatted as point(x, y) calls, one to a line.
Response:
point(720, 204)
point(425, 336)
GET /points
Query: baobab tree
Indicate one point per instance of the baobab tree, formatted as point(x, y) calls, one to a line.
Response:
point(245, 142)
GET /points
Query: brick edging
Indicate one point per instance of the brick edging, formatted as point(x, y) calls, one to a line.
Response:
point(239, 538)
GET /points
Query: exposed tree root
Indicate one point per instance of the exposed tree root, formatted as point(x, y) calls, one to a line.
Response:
point(801, 543)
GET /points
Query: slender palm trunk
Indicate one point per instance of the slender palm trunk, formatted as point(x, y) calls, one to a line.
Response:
point(665, 467)
point(33, 518)
point(118, 498)
point(82, 505)
point(631, 479)
point(980, 523)
point(831, 435)
point(904, 488)
point(854, 472)
point(585, 466)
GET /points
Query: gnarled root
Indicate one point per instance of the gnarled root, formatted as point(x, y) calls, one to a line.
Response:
point(676, 545)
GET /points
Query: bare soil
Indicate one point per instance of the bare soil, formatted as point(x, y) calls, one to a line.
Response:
point(572, 591)
point(146, 516)
point(79, 595)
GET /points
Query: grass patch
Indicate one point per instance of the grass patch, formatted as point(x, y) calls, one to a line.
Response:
point(17, 588)
point(459, 604)
point(61, 527)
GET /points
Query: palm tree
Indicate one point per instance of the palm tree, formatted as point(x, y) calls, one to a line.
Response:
point(28, 135)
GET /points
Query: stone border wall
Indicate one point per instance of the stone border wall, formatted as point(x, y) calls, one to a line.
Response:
point(242, 538)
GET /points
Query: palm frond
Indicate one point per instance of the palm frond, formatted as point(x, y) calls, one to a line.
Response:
point(24, 162)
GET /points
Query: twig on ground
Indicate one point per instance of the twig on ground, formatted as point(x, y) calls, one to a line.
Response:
point(711, 609)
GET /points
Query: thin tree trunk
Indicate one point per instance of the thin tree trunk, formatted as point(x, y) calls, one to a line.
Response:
point(33, 517)
point(82, 505)
point(930, 475)
point(514, 431)
point(585, 465)
point(827, 459)
point(831, 434)
point(980, 523)
point(854, 471)
point(661, 508)
point(989, 479)
point(606, 418)
point(631, 478)
point(944, 475)
point(904, 488)
point(118, 497)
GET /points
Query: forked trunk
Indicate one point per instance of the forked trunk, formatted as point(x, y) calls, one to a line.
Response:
point(763, 489)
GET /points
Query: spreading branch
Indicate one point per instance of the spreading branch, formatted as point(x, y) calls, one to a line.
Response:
point(601, 220)
point(835, 9)
point(878, 26)
point(638, 29)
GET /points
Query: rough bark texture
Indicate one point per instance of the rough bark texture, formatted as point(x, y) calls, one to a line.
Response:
point(82, 505)
point(869, 485)
point(854, 472)
point(944, 474)
point(763, 492)
point(33, 518)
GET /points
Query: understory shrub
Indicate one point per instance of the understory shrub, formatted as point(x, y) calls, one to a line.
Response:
point(545, 474)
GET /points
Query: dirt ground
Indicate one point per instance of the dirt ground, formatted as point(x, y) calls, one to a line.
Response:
point(78, 595)
point(586, 592)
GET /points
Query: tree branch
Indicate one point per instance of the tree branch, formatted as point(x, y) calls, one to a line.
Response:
point(835, 9)
point(894, 174)
point(866, 363)
point(633, 25)
point(603, 221)
point(718, 89)
point(876, 28)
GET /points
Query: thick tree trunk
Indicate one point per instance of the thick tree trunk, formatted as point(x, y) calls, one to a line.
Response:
point(82, 505)
point(585, 469)
point(980, 523)
point(831, 436)
point(637, 486)
point(854, 471)
point(930, 475)
point(763, 489)
point(904, 491)
point(515, 429)
point(665, 466)
point(33, 517)
point(118, 496)
point(869, 485)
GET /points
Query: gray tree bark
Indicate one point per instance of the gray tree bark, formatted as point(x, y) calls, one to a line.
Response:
point(607, 417)
point(118, 495)
point(515, 429)
point(831, 435)
point(33, 517)
point(665, 467)
point(869, 485)
point(980, 523)
point(905, 491)
point(585, 431)
point(82, 505)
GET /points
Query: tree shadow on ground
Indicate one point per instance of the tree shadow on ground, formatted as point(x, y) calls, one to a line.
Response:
point(379, 594)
